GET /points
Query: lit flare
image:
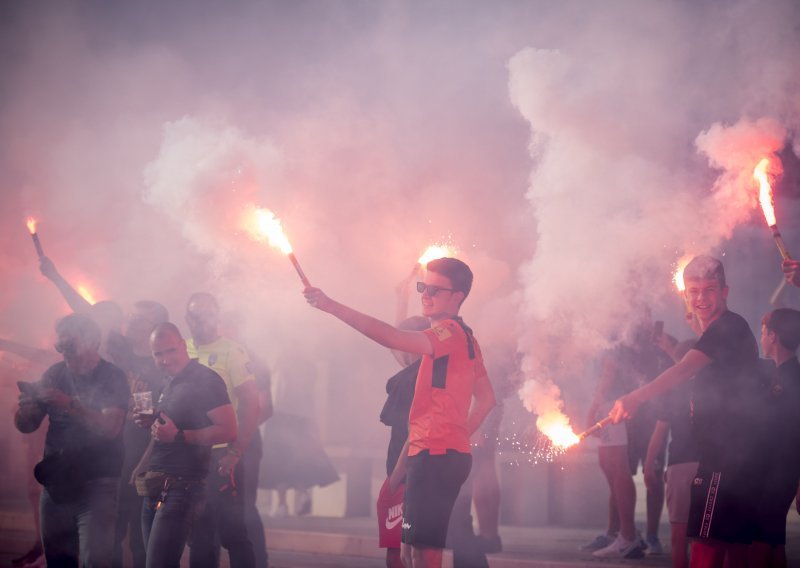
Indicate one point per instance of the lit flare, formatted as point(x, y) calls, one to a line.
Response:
point(435, 251)
point(677, 277)
point(267, 226)
point(31, 223)
point(555, 425)
point(767, 204)
point(264, 225)
point(86, 293)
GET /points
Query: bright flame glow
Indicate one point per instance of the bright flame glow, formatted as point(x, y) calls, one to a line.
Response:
point(263, 224)
point(555, 425)
point(86, 293)
point(435, 251)
point(31, 222)
point(677, 278)
point(765, 192)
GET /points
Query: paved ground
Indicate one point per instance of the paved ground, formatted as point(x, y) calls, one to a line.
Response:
point(325, 542)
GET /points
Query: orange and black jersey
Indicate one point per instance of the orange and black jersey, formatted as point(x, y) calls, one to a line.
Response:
point(443, 394)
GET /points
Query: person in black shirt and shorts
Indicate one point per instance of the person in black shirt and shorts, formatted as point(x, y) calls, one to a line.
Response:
point(724, 362)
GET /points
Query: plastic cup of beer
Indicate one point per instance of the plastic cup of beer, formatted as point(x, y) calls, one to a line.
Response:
point(143, 402)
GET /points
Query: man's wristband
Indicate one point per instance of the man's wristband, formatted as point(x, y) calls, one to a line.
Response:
point(180, 436)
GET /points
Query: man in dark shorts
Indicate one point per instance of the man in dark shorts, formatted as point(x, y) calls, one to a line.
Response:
point(193, 413)
point(724, 362)
point(441, 419)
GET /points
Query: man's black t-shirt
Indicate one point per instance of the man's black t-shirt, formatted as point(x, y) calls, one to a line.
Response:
point(104, 387)
point(186, 400)
point(675, 408)
point(782, 423)
point(725, 392)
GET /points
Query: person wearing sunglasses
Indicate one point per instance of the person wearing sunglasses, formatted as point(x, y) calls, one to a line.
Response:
point(452, 396)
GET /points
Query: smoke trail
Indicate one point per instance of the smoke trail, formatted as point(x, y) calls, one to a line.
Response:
point(204, 178)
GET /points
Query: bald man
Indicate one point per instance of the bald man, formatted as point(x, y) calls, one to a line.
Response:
point(193, 413)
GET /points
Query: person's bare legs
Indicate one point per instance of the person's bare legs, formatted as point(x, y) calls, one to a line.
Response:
point(612, 527)
point(717, 554)
point(486, 496)
point(393, 558)
point(426, 557)
point(680, 545)
point(614, 463)
point(406, 555)
point(762, 554)
point(655, 506)
point(707, 555)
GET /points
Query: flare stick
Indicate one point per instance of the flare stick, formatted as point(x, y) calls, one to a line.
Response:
point(776, 234)
point(37, 244)
point(299, 270)
point(35, 236)
point(596, 428)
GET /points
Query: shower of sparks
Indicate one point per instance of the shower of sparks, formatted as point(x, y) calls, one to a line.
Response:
point(531, 448)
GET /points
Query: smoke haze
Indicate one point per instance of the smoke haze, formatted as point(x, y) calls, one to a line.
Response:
point(572, 152)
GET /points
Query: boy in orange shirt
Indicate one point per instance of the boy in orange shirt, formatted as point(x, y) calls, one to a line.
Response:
point(442, 415)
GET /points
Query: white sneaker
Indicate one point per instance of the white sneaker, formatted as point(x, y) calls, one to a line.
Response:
point(621, 548)
point(600, 541)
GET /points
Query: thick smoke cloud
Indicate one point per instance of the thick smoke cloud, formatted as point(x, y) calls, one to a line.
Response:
point(552, 143)
point(616, 191)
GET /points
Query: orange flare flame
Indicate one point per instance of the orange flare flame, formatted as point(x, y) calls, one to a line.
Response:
point(435, 251)
point(265, 225)
point(765, 192)
point(677, 278)
point(555, 426)
point(31, 222)
point(86, 293)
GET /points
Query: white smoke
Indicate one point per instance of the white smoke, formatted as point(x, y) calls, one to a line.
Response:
point(617, 195)
point(204, 178)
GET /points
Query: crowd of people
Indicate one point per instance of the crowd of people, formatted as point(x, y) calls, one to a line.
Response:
point(151, 440)
point(154, 440)
point(734, 456)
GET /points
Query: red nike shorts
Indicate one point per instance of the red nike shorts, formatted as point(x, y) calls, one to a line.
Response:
point(390, 515)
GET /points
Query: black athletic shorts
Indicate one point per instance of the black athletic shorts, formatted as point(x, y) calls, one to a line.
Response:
point(774, 505)
point(432, 485)
point(723, 506)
